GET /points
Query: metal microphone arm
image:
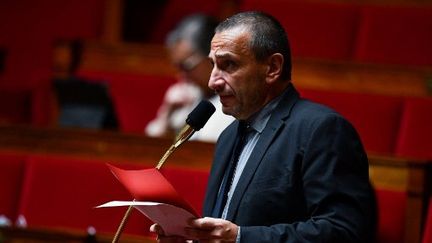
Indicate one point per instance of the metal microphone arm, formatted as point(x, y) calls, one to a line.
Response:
point(197, 118)
point(182, 137)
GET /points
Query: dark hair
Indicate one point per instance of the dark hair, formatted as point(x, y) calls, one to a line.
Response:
point(268, 36)
point(198, 29)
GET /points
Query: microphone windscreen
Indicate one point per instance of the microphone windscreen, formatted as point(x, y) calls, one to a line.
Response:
point(200, 115)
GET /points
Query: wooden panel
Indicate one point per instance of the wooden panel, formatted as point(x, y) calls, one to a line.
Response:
point(151, 59)
point(359, 77)
point(389, 177)
point(101, 145)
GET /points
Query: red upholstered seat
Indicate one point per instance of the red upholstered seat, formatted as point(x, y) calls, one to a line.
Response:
point(44, 106)
point(191, 184)
point(391, 215)
point(427, 233)
point(375, 117)
point(62, 193)
point(15, 105)
point(396, 34)
point(415, 134)
point(11, 176)
point(136, 98)
point(315, 29)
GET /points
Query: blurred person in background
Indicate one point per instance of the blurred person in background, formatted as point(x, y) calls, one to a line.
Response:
point(188, 48)
point(81, 102)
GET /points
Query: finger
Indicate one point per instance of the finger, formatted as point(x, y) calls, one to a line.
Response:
point(212, 229)
point(198, 234)
point(206, 223)
point(155, 228)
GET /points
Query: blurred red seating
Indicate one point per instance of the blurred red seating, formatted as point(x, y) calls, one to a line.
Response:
point(62, 193)
point(391, 215)
point(44, 105)
point(136, 98)
point(376, 117)
point(15, 105)
point(427, 233)
point(396, 34)
point(11, 177)
point(415, 133)
point(315, 29)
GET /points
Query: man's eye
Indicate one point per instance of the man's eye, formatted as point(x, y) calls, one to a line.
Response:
point(228, 65)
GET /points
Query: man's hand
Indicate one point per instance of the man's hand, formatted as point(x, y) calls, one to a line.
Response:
point(161, 238)
point(212, 230)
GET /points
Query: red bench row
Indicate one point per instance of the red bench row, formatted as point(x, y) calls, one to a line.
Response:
point(56, 192)
point(61, 193)
point(387, 125)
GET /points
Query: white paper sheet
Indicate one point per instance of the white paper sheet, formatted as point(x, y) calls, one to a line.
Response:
point(172, 219)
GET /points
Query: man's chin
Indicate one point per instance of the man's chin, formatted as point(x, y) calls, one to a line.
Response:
point(230, 111)
point(227, 110)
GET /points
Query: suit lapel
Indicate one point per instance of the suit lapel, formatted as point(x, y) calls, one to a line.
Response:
point(254, 160)
point(268, 135)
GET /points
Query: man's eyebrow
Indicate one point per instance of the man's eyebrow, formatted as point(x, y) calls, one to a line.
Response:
point(223, 55)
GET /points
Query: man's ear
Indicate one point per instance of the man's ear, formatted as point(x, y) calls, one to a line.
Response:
point(274, 67)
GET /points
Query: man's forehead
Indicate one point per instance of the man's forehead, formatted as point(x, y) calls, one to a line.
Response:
point(233, 41)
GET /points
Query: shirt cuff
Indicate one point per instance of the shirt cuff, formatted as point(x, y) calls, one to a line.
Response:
point(238, 235)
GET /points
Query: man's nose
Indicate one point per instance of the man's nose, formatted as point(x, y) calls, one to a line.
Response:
point(216, 83)
point(215, 80)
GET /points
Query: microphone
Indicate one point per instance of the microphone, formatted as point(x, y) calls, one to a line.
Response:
point(194, 122)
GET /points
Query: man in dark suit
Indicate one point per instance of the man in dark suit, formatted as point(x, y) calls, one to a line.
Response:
point(288, 170)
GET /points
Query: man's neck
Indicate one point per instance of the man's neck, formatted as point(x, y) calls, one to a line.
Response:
point(273, 94)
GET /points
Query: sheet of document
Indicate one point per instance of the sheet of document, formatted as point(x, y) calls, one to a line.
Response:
point(172, 219)
point(150, 185)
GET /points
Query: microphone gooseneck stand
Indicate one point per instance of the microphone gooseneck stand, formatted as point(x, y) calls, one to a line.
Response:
point(198, 117)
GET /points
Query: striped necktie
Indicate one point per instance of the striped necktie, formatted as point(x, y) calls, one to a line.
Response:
point(229, 171)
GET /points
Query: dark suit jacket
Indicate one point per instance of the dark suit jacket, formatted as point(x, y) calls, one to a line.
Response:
point(306, 180)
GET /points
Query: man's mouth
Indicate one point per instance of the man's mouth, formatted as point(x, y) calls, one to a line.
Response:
point(226, 98)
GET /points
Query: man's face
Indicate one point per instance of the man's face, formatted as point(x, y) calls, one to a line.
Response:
point(192, 66)
point(237, 77)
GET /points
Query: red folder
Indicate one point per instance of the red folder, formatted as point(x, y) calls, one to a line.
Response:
point(156, 198)
point(150, 185)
